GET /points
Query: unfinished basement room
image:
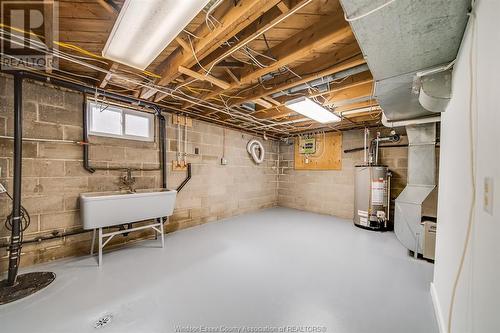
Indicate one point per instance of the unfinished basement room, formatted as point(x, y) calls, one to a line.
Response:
point(249, 166)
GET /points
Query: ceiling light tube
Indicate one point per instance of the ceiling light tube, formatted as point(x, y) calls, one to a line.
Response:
point(144, 29)
point(312, 110)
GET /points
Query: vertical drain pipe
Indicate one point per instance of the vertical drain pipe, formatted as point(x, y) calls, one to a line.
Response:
point(163, 150)
point(15, 240)
point(86, 163)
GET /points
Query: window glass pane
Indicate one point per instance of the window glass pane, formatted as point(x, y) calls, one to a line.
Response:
point(137, 125)
point(106, 120)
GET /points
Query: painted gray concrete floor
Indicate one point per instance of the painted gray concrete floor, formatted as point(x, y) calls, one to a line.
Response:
point(273, 269)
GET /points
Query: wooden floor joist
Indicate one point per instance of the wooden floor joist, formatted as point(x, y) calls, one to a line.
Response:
point(341, 60)
point(360, 79)
point(345, 65)
point(201, 77)
point(257, 53)
point(301, 45)
point(236, 19)
point(353, 92)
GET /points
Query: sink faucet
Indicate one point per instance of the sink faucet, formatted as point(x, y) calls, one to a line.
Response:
point(127, 182)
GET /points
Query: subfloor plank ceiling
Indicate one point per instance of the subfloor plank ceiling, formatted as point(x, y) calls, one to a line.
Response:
point(237, 66)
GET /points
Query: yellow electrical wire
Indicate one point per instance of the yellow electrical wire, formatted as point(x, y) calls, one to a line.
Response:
point(72, 47)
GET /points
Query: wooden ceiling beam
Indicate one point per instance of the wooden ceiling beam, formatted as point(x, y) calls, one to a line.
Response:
point(325, 34)
point(345, 94)
point(208, 78)
point(49, 34)
point(262, 103)
point(283, 7)
point(182, 43)
point(268, 21)
point(232, 76)
point(356, 105)
point(356, 80)
point(235, 20)
point(271, 100)
point(283, 111)
point(368, 119)
point(107, 6)
point(345, 58)
point(107, 77)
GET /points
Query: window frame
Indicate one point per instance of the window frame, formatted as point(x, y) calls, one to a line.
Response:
point(123, 111)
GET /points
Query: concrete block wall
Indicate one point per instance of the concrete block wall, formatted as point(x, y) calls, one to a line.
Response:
point(53, 175)
point(332, 192)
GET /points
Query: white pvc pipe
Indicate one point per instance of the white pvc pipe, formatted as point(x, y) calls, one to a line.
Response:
point(252, 147)
point(401, 123)
point(185, 139)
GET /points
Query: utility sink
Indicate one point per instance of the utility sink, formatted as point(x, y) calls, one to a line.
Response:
point(104, 209)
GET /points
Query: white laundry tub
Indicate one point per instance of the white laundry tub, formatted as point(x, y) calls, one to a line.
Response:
point(104, 209)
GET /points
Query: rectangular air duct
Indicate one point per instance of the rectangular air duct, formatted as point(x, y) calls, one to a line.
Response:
point(418, 199)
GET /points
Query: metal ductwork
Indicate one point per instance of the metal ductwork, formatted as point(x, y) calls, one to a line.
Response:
point(322, 83)
point(408, 45)
point(416, 203)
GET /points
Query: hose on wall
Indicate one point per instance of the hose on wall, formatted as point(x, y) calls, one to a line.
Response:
point(252, 147)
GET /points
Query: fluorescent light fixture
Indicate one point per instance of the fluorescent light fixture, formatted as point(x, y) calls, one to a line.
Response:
point(144, 28)
point(312, 110)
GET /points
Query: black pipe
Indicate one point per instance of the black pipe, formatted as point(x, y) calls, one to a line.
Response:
point(163, 148)
point(54, 236)
point(186, 180)
point(86, 148)
point(381, 146)
point(126, 99)
point(113, 4)
point(86, 162)
point(87, 89)
point(90, 90)
point(16, 232)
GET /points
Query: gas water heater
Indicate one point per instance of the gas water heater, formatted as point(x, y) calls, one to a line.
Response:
point(372, 186)
point(371, 196)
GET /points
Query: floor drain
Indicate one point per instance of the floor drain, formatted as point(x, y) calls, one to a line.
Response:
point(103, 321)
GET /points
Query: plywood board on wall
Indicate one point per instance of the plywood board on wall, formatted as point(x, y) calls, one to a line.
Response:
point(328, 155)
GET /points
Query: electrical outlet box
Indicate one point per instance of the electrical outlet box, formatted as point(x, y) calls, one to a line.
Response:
point(179, 166)
point(488, 195)
point(307, 145)
point(223, 161)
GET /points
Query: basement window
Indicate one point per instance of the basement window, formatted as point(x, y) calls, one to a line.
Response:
point(119, 122)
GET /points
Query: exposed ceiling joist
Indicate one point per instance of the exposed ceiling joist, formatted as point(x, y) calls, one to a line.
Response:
point(260, 28)
point(108, 6)
point(306, 42)
point(349, 93)
point(236, 19)
point(209, 78)
point(268, 21)
point(344, 88)
point(107, 77)
point(339, 61)
point(315, 52)
point(259, 91)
